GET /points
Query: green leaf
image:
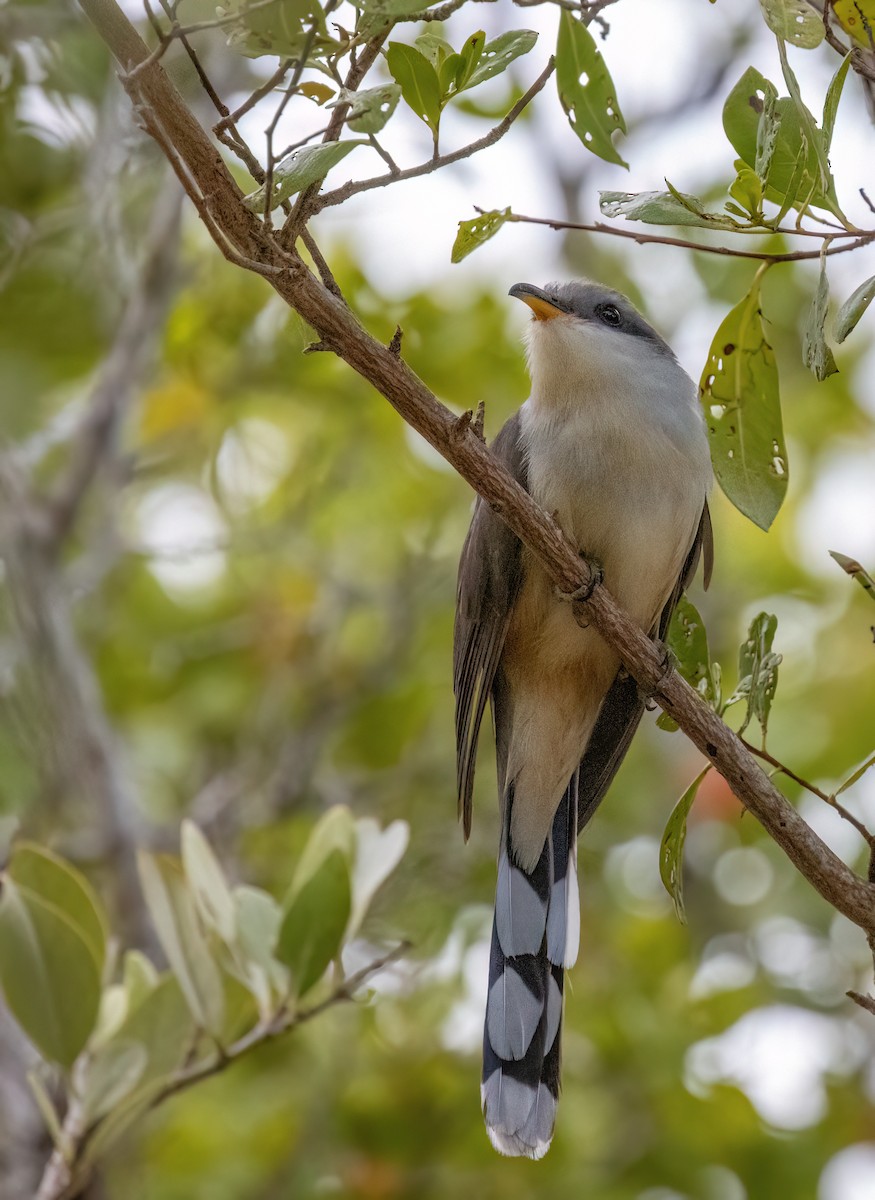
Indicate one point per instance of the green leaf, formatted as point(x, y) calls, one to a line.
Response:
point(795, 176)
point(758, 670)
point(497, 55)
point(370, 109)
point(856, 571)
point(258, 919)
point(173, 912)
point(853, 308)
point(435, 48)
point(308, 165)
point(671, 850)
point(49, 972)
point(418, 81)
point(475, 232)
point(812, 135)
point(741, 401)
point(334, 831)
point(112, 1074)
point(662, 208)
point(816, 354)
point(207, 882)
point(471, 54)
point(747, 189)
point(281, 28)
point(795, 21)
point(831, 104)
point(314, 922)
point(688, 642)
point(58, 883)
point(856, 776)
point(586, 90)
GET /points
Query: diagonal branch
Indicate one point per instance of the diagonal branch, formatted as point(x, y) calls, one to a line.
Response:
point(383, 367)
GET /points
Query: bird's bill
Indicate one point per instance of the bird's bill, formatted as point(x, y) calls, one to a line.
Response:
point(543, 308)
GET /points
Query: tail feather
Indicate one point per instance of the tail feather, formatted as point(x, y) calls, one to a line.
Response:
point(534, 937)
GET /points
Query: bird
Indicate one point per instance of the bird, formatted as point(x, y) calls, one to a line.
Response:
point(611, 441)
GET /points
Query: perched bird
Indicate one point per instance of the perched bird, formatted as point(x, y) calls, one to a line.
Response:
point(612, 442)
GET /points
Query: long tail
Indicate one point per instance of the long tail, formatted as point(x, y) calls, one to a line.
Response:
point(535, 935)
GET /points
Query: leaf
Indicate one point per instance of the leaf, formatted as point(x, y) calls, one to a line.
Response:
point(281, 28)
point(795, 21)
point(418, 81)
point(258, 920)
point(747, 189)
point(475, 232)
point(662, 208)
point(855, 570)
point(740, 397)
point(471, 55)
point(377, 854)
point(586, 90)
point(671, 850)
point(173, 912)
point(314, 923)
point(831, 103)
point(853, 308)
point(435, 48)
point(113, 1073)
point(370, 109)
point(816, 354)
point(49, 972)
point(317, 92)
point(207, 882)
point(795, 176)
point(856, 776)
point(58, 883)
point(758, 670)
point(811, 134)
point(688, 642)
point(308, 165)
point(334, 831)
point(857, 17)
point(498, 54)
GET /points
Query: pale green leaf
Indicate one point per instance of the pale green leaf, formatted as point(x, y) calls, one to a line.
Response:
point(741, 402)
point(497, 55)
point(816, 353)
point(831, 104)
point(259, 918)
point(58, 883)
point(795, 21)
point(586, 90)
point(308, 165)
point(662, 208)
point(49, 972)
point(173, 912)
point(857, 775)
point(369, 109)
point(435, 48)
point(418, 81)
point(853, 308)
point(334, 831)
point(314, 923)
point(758, 670)
point(812, 135)
point(45, 1104)
point(671, 850)
point(281, 28)
point(207, 882)
point(475, 232)
point(113, 1072)
point(377, 854)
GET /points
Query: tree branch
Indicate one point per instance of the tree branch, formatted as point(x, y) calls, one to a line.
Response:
point(389, 374)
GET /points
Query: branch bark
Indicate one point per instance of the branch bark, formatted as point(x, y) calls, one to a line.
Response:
point(216, 194)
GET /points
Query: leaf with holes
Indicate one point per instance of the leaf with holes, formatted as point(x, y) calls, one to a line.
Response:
point(418, 81)
point(478, 230)
point(370, 109)
point(853, 308)
point(758, 671)
point(282, 28)
point(296, 172)
point(795, 21)
point(741, 401)
point(816, 353)
point(671, 849)
point(497, 55)
point(688, 641)
point(586, 90)
point(663, 208)
point(793, 158)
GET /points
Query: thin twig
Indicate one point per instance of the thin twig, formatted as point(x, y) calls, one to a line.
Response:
point(321, 265)
point(250, 102)
point(354, 188)
point(653, 239)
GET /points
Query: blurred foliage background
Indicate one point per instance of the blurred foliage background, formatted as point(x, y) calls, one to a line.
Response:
point(257, 598)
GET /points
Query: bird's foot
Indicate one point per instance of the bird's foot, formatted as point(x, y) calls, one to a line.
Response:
point(666, 666)
point(582, 594)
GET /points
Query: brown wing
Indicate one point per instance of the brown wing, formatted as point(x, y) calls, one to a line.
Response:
point(490, 573)
point(623, 706)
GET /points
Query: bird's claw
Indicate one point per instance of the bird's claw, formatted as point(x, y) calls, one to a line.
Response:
point(582, 594)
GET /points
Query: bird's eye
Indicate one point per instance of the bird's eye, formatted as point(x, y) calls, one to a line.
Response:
point(610, 315)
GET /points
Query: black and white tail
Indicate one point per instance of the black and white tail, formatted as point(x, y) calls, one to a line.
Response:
point(535, 935)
